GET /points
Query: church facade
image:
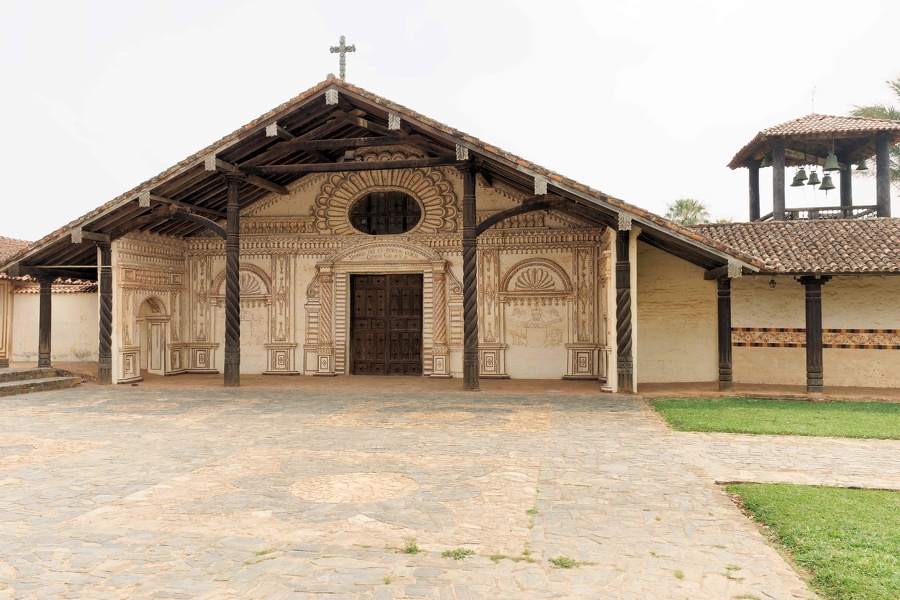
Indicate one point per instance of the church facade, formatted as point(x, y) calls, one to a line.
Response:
point(341, 234)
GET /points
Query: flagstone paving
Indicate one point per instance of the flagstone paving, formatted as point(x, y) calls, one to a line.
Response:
point(280, 493)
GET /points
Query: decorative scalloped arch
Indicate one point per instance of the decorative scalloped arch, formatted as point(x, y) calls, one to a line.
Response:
point(385, 251)
point(216, 288)
point(429, 187)
point(536, 276)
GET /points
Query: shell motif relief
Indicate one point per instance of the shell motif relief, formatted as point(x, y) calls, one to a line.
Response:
point(534, 280)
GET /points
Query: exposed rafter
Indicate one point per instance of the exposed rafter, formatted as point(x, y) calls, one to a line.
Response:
point(212, 163)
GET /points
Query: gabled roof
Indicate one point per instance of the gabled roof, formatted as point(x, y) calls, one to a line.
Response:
point(826, 246)
point(357, 113)
point(814, 134)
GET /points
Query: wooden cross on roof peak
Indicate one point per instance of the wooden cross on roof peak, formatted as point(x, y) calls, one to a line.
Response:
point(343, 49)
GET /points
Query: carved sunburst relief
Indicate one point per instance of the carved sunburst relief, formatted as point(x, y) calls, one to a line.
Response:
point(427, 186)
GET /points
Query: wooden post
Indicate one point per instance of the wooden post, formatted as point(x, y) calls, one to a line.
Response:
point(882, 174)
point(104, 353)
point(754, 190)
point(46, 282)
point(232, 282)
point(814, 369)
point(723, 291)
point(470, 280)
point(846, 188)
point(778, 183)
point(624, 364)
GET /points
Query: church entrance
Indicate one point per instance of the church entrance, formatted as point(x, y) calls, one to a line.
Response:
point(386, 324)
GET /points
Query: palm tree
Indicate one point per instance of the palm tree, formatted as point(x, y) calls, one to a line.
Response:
point(687, 211)
point(885, 111)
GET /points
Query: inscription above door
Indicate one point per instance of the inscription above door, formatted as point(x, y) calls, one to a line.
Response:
point(386, 324)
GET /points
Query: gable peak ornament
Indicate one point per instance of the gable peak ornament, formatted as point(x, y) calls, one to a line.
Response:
point(343, 49)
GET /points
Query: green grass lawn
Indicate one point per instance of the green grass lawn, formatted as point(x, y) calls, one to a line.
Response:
point(848, 539)
point(739, 415)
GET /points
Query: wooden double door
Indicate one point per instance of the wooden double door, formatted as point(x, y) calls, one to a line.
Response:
point(386, 324)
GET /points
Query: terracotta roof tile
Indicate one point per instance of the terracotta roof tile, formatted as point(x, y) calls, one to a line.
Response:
point(9, 246)
point(820, 246)
point(815, 123)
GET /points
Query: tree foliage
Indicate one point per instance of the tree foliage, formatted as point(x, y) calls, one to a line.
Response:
point(885, 111)
point(687, 211)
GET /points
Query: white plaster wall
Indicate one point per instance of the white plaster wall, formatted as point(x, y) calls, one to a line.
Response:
point(755, 304)
point(676, 316)
point(848, 302)
point(75, 327)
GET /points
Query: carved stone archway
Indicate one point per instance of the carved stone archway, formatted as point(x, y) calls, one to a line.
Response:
point(328, 302)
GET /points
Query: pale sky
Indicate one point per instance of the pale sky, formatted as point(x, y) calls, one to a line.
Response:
point(644, 100)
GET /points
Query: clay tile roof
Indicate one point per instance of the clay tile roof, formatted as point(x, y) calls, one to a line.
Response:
point(60, 286)
point(9, 246)
point(827, 246)
point(814, 123)
point(800, 134)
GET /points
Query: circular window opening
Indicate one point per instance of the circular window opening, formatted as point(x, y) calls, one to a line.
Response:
point(385, 213)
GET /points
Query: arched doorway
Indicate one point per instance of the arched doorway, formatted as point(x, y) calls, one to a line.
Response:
point(152, 321)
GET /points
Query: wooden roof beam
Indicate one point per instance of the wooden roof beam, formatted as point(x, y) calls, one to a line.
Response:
point(383, 165)
point(217, 164)
point(190, 207)
point(284, 147)
point(806, 159)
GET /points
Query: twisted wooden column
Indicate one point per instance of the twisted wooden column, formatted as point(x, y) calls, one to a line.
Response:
point(233, 282)
point(814, 367)
point(723, 290)
point(46, 282)
point(104, 353)
point(624, 364)
point(470, 280)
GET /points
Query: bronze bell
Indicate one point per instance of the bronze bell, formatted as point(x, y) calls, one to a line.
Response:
point(766, 161)
point(862, 166)
point(826, 183)
point(797, 182)
point(813, 179)
point(831, 163)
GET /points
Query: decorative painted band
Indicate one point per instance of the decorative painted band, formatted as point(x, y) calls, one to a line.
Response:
point(794, 337)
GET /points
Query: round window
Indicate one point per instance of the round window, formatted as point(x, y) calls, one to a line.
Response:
point(385, 213)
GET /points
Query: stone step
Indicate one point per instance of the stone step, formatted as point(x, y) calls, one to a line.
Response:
point(23, 373)
point(43, 384)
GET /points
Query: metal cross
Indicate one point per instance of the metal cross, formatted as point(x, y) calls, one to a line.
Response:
point(343, 49)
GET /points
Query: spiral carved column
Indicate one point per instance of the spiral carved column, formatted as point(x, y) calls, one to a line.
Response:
point(233, 283)
point(723, 291)
point(470, 281)
point(624, 363)
point(46, 282)
point(104, 353)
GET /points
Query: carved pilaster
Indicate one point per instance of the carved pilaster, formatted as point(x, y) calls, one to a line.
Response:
point(325, 354)
point(232, 283)
point(723, 293)
point(624, 363)
point(470, 281)
point(104, 353)
point(441, 354)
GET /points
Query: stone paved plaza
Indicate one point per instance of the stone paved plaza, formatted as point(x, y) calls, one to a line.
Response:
point(304, 492)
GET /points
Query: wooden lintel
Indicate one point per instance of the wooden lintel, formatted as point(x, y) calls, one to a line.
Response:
point(339, 144)
point(713, 274)
point(382, 165)
point(94, 236)
point(190, 207)
point(806, 159)
point(265, 184)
